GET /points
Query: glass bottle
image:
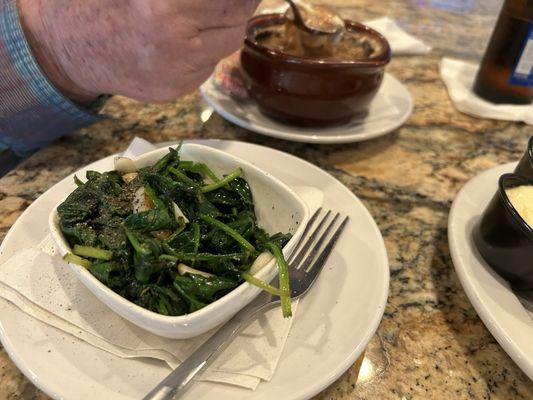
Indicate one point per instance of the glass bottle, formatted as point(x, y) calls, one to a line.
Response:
point(506, 71)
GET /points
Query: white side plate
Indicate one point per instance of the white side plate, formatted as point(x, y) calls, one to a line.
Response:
point(248, 116)
point(333, 325)
point(498, 307)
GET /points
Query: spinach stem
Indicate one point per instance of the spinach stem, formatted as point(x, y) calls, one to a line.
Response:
point(224, 181)
point(77, 181)
point(263, 285)
point(174, 256)
point(199, 167)
point(74, 259)
point(175, 234)
point(283, 279)
point(92, 252)
point(158, 203)
point(206, 171)
point(245, 244)
point(167, 159)
point(169, 250)
point(195, 237)
point(186, 164)
point(182, 177)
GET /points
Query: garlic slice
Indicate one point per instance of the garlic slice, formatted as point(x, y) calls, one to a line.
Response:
point(141, 201)
point(185, 269)
point(129, 176)
point(179, 214)
point(125, 165)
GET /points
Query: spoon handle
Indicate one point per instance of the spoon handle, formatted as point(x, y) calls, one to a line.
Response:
point(298, 19)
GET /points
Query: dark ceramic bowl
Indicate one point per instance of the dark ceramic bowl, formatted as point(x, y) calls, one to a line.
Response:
point(525, 166)
point(310, 92)
point(504, 239)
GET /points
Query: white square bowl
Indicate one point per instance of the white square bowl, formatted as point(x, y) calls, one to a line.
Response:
point(278, 209)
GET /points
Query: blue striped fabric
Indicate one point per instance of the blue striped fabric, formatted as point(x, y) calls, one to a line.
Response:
point(32, 112)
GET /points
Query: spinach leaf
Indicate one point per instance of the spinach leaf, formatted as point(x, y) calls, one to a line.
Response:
point(183, 242)
point(79, 205)
point(149, 221)
point(193, 303)
point(162, 300)
point(204, 289)
point(242, 189)
point(112, 274)
point(78, 233)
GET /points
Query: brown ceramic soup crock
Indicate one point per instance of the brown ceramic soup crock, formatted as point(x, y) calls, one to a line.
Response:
point(307, 91)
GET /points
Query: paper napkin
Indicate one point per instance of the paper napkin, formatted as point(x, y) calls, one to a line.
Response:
point(401, 42)
point(43, 286)
point(459, 76)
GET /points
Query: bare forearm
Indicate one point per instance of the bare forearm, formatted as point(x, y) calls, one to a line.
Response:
point(50, 47)
point(32, 111)
point(148, 50)
point(59, 54)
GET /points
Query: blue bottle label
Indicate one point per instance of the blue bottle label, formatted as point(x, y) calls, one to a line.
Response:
point(523, 72)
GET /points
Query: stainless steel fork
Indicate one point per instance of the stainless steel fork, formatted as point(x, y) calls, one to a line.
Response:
point(305, 263)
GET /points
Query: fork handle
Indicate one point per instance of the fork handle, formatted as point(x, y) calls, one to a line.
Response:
point(175, 384)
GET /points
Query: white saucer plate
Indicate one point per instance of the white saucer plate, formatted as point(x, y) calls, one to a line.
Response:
point(333, 325)
point(248, 116)
point(498, 307)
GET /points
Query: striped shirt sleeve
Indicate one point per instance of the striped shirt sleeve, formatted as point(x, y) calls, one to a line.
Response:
point(32, 112)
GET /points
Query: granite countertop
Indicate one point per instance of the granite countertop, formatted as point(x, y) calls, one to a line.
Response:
point(431, 344)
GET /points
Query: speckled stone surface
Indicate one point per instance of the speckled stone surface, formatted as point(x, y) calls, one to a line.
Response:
point(431, 344)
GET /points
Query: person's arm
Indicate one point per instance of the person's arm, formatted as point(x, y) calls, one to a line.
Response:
point(32, 111)
point(55, 50)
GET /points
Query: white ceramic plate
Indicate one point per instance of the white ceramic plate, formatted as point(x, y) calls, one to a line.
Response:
point(331, 329)
point(497, 305)
point(248, 116)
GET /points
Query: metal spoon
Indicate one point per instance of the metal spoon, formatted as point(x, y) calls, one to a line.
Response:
point(316, 20)
point(316, 29)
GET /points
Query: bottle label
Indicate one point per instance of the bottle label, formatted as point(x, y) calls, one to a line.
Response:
point(523, 71)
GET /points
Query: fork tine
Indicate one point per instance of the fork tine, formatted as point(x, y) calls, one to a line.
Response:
point(320, 261)
point(304, 233)
point(304, 244)
point(309, 259)
point(302, 240)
